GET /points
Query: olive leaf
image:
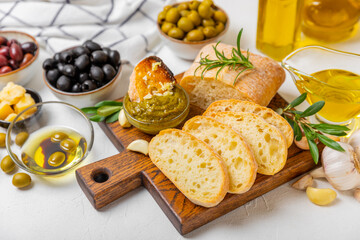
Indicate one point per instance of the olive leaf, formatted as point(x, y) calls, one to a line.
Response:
point(105, 110)
point(330, 143)
point(108, 103)
point(112, 118)
point(297, 101)
point(90, 110)
point(97, 118)
point(316, 107)
point(314, 151)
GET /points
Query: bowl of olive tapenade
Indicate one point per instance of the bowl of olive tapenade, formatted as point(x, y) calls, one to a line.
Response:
point(186, 27)
point(158, 112)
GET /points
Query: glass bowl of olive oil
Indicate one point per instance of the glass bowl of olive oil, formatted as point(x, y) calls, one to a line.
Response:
point(328, 75)
point(53, 142)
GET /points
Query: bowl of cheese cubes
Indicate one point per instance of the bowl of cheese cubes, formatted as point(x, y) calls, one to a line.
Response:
point(13, 100)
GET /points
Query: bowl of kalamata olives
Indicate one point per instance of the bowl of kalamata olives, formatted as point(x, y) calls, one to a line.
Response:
point(83, 75)
point(18, 57)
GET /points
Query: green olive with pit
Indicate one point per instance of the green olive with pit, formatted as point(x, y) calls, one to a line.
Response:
point(193, 5)
point(206, 22)
point(167, 26)
point(185, 24)
point(195, 35)
point(56, 159)
point(2, 139)
point(219, 27)
point(183, 6)
point(21, 138)
point(194, 17)
point(21, 180)
point(161, 17)
point(220, 16)
point(176, 33)
point(7, 164)
point(209, 32)
point(58, 137)
point(205, 10)
point(68, 145)
point(172, 15)
point(167, 8)
point(209, 2)
point(184, 13)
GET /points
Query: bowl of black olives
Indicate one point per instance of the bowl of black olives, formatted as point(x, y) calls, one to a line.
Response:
point(83, 75)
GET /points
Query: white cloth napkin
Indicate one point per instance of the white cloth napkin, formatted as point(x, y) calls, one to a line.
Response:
point(128, 26)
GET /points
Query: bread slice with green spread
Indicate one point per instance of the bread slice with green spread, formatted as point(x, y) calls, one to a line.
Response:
point(233, 105)
point(231, 147)
point(266, 141)
point(194, 168)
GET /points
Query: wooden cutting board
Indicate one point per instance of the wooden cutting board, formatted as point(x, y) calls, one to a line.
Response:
point(106, 180)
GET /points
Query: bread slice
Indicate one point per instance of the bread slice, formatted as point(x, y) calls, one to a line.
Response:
point(194, 168)
point(267, 114)
point(150, 77)
point(231, 147)
point(266, 141)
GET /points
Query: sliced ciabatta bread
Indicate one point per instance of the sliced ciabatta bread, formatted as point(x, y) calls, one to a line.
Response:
point(233, 105)
point(194, 168)
point(231, 147)
point(266, 141)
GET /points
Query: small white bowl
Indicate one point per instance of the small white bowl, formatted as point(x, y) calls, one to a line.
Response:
point(24, 74)
point(189, 50)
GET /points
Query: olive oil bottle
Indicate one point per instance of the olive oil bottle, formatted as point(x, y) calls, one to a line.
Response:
point(53, 149)
point(340, 89)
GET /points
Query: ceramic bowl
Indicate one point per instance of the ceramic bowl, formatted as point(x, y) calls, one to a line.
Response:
point(189, 50)
point(85, 99)
point(37, 99)
point(24, 74)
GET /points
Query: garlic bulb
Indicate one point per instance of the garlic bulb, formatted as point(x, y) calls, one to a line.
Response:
point(354, 141)
point(341, 168)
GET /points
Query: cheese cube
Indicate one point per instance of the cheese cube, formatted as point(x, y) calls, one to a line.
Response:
point(12, 93)
point(25, 102)
point(5, 110)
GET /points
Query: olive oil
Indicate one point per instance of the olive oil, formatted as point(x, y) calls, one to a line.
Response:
point(53, 149)
point(278, 27)
point(340, 89)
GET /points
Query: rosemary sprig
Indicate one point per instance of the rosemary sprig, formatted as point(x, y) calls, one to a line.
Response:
point(237, 60)
point(105, 110)
point(312, 131)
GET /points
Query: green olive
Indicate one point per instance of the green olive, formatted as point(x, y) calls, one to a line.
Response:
point(184, 13)
point(193, 5)
point(21, 180)
point(68, 145)
point(2, 139)
point(21, 138)
point(205, 11)
point(7, 164)
point(185, 24)
point(195, 35)
point(201, 28)
point(194, 17)
point(183, 6)
point(167, 8)
point(172, 15)
point(220, 16)
point(209, 2)
point(161, 17)
point(58, 137)
point(167, 26)
point(176, 33)
point(209, 32)
point(219, 27)
point(56, 159)
point(206, 22)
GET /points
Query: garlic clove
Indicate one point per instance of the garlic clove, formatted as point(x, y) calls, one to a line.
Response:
point(321, 196)
point(318, 173)
point(302, 144)
point(139, 145)
point(357, 194)
point(354, 141)
point(303, 183)
point(123, 119)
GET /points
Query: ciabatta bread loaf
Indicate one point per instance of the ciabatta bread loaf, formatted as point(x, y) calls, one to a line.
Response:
point(231, 147)
point(266, 141)
point(258, 85)
point(267, 114)
point(194, 168)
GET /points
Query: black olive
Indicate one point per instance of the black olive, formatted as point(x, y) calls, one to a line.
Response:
point(52, 75)
point(88, 85)
point(29, 47)
point(49, 64)
point(76, 87)
point(82, 62)
point(96, 73)
point(109, 72)
point(106, 50)
point(83, 77)
point(99, 57)
point(66, 57)
point(114, 58)
point(63, 83)
point(92, 46)
point(78, 51)
point(60, 67)
point(69, 70)
point(57, 57)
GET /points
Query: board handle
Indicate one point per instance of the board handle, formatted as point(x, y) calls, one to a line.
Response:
point(106, 180)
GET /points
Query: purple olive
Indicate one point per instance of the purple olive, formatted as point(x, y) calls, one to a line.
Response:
point(13, 64)
point(63, 83)
point(4, 50)
point(11, 41)
point(82, 62)
point(3, 40)
point(29, 47)
point(15, 52)
point(3, 61)
point(88, 85)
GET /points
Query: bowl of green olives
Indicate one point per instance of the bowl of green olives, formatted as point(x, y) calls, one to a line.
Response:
point(186, 27)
